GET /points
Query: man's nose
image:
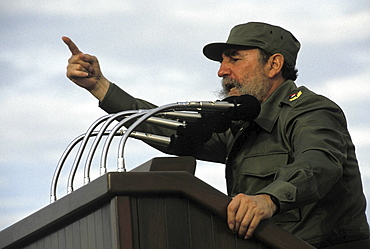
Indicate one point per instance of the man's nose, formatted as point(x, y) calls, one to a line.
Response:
point(224, 70)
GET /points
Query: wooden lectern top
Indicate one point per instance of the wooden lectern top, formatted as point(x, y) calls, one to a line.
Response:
point(104, 188)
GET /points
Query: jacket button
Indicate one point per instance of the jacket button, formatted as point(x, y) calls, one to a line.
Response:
point(289, 196)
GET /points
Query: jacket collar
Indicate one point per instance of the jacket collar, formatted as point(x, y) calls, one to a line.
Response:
point(271, 108)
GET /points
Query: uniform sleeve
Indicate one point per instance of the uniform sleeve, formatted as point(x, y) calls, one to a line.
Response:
point(117, 100)
point(319, 139)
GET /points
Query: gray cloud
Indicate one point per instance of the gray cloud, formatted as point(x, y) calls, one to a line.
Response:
point(153, 50)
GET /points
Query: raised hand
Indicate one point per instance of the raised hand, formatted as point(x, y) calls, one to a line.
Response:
point(84, 70)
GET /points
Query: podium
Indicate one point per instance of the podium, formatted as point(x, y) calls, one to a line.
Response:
point(156, 209)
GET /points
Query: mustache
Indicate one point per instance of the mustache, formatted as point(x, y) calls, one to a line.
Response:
point(226, 85)
point(229, 83)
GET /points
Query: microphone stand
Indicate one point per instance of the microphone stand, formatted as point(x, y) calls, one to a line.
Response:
point(80, 151)
point(63, 158)
point(103, 167)
point(154, 120)
point(86, 136)
point(112, 118)
point(173, 106)
point(83, 146)
point(141, 116)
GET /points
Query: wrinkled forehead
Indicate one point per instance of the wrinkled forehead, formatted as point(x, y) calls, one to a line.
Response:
point(251, 53)
point(237, 51)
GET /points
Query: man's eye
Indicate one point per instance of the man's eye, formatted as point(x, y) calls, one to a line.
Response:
point(233, 59)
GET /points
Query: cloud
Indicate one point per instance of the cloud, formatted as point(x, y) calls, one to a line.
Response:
point(361, 136)
point(353, 88)
point(335, 26)
point(67, 7)
point(329, 23)
point(153, 50)
point(36, 123)
point(17, 208)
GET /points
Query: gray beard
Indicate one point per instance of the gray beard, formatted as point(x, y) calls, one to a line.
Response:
point(258, 88)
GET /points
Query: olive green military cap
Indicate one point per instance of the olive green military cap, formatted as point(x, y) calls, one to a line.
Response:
point(270, 38)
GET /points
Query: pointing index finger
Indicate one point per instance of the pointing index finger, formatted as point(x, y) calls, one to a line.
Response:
point(71, 45)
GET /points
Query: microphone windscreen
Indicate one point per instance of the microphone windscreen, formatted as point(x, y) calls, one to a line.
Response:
point(216, 121)
point(247, 107)
point(196, 132)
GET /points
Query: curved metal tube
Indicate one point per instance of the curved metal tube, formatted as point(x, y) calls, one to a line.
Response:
point(121, 163)
point(103, 160)
point(61, 162)
point(80, 151)
point(112, 118)
point(59, 167)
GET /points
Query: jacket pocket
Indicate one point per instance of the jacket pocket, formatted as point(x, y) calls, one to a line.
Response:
point(259, 171)
point(256, 172)
point(264, 165)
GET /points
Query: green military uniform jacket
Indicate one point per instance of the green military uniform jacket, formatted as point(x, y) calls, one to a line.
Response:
point(299, 151)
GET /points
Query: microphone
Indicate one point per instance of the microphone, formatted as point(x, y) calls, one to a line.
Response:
point(151, 138)
point(201, 125)
point(241, 103)
point(244, 107)
point(187, 138)
point(163, 122)
point(183, 116)
point(210, 116)
point(222, 106)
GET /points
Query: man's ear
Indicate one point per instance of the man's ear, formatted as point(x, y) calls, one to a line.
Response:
point(275, 65)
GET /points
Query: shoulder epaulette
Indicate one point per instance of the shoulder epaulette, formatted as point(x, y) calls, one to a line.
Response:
point(295, 96)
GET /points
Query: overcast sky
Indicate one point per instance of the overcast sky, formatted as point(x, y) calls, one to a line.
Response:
point(152, 49)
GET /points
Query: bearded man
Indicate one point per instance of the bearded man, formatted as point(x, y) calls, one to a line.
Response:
point(295, 164)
